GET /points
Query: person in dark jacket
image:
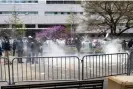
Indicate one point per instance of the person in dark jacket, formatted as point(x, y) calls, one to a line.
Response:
point(6, 48)
point(40, 49)
point(19, 48)
point(29, 49)
point(0, 51)
point(14, 47)
point(130, 43)
point(124, 45)
point(6, 44)
point(78, 44)
point(34, 51)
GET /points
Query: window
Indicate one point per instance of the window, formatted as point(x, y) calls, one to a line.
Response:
point(55, 13)
point(32, 12)
point(29, 1)
point(61, 13)
point(3, 1)
point(18, 1)
point(30, 25)
point(41, 26)
point(36, 1)
point(63, 2)
point(68, 12)
point(74, 12)
point(4, 25)
point(81, 12)
point(49, 12)
point(19, 12)
point(17, 25)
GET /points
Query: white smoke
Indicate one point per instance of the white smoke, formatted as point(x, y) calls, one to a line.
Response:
point(54, 49)
point(112, 46)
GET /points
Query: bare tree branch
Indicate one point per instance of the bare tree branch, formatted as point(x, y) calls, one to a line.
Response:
point(112, 12)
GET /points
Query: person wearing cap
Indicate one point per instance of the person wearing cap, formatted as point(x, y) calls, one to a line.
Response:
point(29, 52)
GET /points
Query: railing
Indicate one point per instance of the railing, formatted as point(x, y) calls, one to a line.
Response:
point(5, 70)
point(102, 65)
point(46, 68)
point(64, 67)
point(131, 63)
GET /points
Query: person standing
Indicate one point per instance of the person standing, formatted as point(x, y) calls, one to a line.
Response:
point(78, 44)
point(6, 48)
point(14, 47)
point(90, 46)
point(29, 49)
point(130, 43)
point(34, 51)
point(0, 51)
point(40, 48)
point(124, 45)
point(19, 48)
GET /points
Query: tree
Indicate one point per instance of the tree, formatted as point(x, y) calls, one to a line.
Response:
point(72, 23)
point(5, 32)
point(16, 23)
point(108, 15)
point(53, 32)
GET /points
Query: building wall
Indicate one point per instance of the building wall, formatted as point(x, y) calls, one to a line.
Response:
point(41, 7)
point(45, 12)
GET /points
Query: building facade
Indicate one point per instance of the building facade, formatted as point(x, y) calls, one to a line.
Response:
point(37, 14)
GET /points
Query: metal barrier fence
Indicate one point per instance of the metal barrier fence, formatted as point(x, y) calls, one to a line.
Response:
point(102, 65)
point(131, 62)
point(64, 67)
point(46, 68)
point(5, 70)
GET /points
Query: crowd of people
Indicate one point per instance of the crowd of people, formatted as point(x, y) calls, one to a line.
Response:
point(33, 48)
point(95, 44)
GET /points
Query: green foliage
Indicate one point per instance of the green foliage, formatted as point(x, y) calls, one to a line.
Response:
point(19, 31)
point(68, 26)
point(72, 19)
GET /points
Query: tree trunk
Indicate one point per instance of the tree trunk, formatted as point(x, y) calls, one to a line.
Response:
point(113, 31)
point(111, 28)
